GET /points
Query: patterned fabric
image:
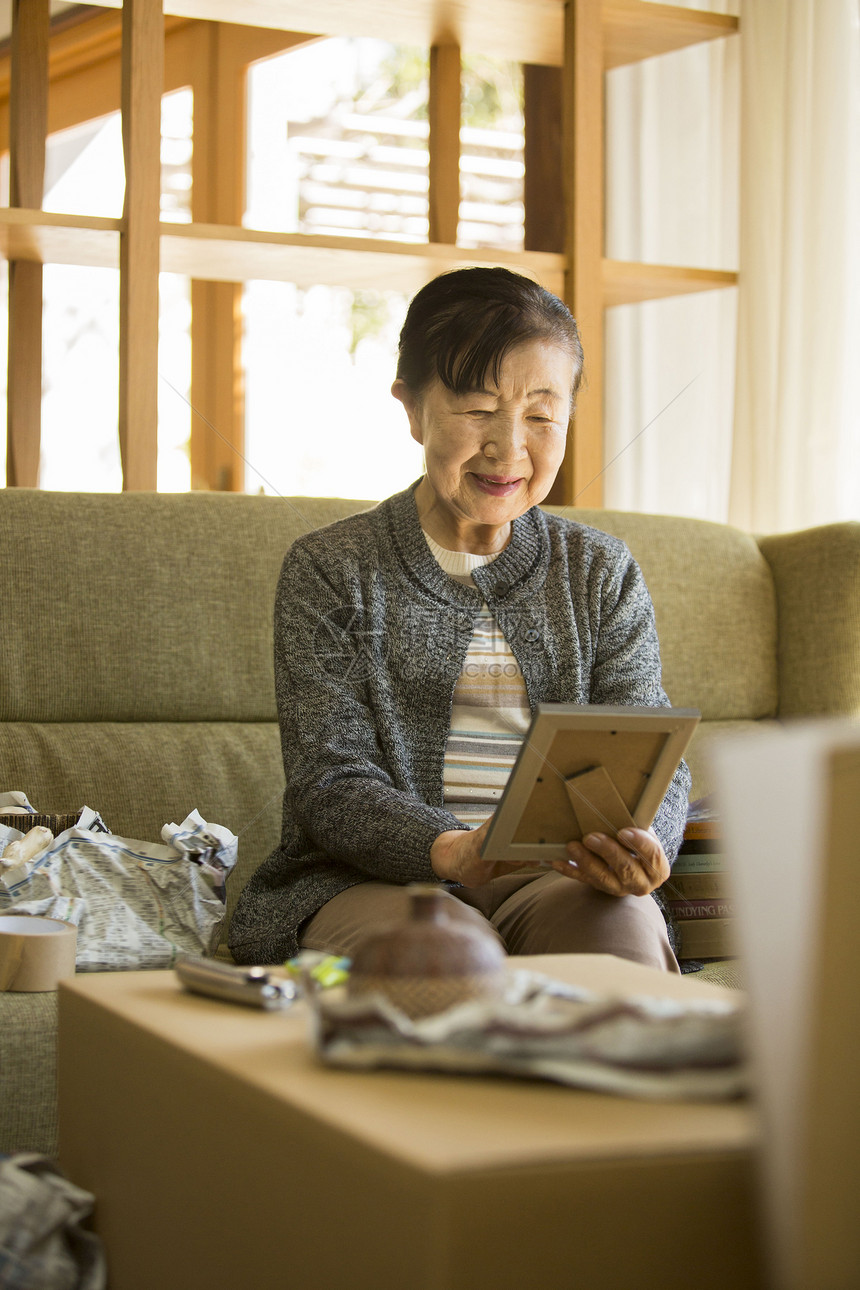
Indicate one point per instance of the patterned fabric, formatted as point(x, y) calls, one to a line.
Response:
point(490, 712)
point(489, 717)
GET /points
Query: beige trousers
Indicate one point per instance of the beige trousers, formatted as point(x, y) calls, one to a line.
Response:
point(532, 913)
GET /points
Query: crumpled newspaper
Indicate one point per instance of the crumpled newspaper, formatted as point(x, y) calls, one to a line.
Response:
point(638, 1046)
point(44, 1241)
point(16, 803)
point(135, 904)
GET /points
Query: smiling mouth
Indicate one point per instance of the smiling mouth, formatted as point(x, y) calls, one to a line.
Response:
point(497, 485)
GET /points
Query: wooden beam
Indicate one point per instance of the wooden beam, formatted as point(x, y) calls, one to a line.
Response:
point(217, 391)
point(93, 39)
point(579, 479)
point(444, 143)
point(24, 375)
point(28, 102)
point(226, 253)
point(142, 82)
point(85, 68)
point(45, 238)
point(27, 128)
point(527, 31)
point(236, 254)
point(217, 195)
point(543, 190)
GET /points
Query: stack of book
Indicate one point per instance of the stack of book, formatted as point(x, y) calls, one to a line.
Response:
point(698, 893)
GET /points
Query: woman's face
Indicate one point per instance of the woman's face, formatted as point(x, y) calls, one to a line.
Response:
point(491, 454)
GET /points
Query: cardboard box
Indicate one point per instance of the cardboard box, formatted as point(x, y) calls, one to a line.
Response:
point(222, 1154)
point(792, 820)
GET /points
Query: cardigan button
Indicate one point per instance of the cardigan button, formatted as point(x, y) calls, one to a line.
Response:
point(502, 588)
point(532, 635)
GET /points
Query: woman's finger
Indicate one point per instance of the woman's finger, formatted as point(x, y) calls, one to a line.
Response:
point(594, 870)
point(623, 864)
point(648, 848)
point(633, 869)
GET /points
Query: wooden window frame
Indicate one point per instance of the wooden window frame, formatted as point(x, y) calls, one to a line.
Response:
point(576, 40)
point(84, 82)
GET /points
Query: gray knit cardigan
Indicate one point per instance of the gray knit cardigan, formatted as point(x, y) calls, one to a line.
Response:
point(370, 638)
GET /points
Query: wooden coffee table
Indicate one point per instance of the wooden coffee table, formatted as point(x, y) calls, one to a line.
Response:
point(222, 1154)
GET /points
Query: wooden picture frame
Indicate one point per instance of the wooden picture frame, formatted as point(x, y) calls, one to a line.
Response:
point(586, 768)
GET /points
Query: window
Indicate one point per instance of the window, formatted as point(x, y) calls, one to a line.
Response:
point(80, 446)
point(338, 145)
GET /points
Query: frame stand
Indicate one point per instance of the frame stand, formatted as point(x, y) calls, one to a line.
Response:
point(597, 803)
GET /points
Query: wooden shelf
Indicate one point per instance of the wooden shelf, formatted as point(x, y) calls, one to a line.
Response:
point(626, 283)
point(526, 31)
point(59, 239)
point(222, 253)
point(637, 29)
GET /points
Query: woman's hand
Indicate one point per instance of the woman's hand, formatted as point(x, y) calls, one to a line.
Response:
point(632, 865)
point(456, 857)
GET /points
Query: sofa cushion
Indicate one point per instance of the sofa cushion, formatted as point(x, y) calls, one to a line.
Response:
point(142, 607)
point(715, 605)
point(817, 576)
point(698, 754)
point(28, 1070)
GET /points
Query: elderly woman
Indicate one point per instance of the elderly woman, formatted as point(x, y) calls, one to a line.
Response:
point(413, 640)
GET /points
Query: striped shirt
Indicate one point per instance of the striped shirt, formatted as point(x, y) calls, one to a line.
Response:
point(490, 713)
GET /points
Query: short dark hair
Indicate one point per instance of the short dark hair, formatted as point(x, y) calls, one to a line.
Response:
point(461, 325)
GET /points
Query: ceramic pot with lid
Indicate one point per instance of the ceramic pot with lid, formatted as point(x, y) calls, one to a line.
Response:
point(430, 961)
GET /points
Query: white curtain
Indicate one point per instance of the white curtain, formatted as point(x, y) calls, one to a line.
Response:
point(672, 155)
point(796, 448)
point(740, 405)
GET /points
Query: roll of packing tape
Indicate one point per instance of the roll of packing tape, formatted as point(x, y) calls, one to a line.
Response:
point(35, 953)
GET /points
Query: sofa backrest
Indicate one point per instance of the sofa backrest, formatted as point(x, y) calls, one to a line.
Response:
point(151, 607)
point(715, 606)
point(144, 607)
point(136, 644)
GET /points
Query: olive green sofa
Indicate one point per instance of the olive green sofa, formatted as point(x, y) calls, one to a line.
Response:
point(136, 670)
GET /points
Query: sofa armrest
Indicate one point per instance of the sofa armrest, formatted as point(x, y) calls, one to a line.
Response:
point(817, 577)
